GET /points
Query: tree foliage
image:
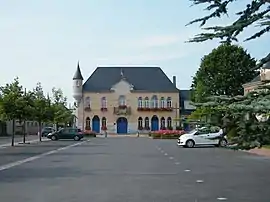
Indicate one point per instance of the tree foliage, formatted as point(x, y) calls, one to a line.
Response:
point(20, 105)
point(223, 72)
point(256, 12)
point(239, 116)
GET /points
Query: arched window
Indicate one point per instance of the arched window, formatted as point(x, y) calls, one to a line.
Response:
point(103, 102)
point(146, 102)
point(154, 102)
point(122, 100)
point(146, 123)
point(140, 124)
point(87, 102)
point(169, 123)
point(162, 102)
point(162, 123)
point(169, 102)
point(140, 102)
point(87, 124)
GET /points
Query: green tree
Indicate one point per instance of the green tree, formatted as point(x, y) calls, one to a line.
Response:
point(62, 115)
point(255, 12)
point(238, 116)
point(223, 72)
point(12, 103)
point(43, 110)
point(27, 109)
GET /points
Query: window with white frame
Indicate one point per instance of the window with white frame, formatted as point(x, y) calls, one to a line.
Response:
point(103, 102)
point(87, 102)
point(122, 100)
point(169, 102)
point(162, 102)
point(146, 102)
point(140, 102)
point(154, 102)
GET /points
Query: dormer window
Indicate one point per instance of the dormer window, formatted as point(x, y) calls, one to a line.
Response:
point(122, 100)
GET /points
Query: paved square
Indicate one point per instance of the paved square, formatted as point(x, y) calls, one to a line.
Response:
point(133, 169)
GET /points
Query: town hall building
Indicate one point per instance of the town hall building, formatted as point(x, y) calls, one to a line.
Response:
point(126, 100)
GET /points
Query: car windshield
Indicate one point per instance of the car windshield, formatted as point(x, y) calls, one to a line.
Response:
point(192, 131)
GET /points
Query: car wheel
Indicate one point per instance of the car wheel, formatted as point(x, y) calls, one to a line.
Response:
point(54, 137)
point(77, 138)
point(190, 143)
point(222, 143)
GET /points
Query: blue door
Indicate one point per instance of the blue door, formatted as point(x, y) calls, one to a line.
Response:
point(154, 123)
point(122, 125)
point(96, 124)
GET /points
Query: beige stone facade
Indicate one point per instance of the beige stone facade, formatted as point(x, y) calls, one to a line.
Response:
point(110, 102)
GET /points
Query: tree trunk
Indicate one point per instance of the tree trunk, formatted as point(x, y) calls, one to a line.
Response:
point(13, 133)
point(39, 130)
point(24, 132)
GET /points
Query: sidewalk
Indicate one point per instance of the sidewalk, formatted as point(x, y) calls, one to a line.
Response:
point(262, 151)
point(6, 141)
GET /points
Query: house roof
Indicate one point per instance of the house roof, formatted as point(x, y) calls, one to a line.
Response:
point(267, 64)
point(78, 73)
point(148, 79)
point(185, 94)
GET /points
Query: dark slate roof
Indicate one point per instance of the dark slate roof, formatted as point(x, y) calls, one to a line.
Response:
point(185, 94)
point(78, 74)
point(149, 79)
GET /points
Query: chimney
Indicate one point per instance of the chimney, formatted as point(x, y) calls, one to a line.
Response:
point(174, 80)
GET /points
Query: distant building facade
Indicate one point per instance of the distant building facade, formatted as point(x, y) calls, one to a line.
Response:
point(263, 78)
point(125, 100)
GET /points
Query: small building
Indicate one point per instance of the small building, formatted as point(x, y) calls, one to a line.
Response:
point(125, 99)
point(263, 78)
point(186, 108)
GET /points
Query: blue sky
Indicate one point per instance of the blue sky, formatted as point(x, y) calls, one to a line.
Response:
point(42, 40)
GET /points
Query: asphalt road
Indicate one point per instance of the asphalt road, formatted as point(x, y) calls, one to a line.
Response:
point(130, 169)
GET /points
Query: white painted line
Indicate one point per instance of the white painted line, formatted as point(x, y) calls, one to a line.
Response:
point(222, 199)
point(165, 154)
point(161, 151)
point(199, 181)
point(171, 157)
point(17, 163)
point(177, 163)
point(187, 170)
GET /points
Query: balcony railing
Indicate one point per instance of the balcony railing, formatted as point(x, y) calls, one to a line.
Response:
point(122, 110)
point(87, 108)
point(156, 109)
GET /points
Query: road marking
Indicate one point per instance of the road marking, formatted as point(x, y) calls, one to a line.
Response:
point(171, 157)
point(222, 199)
point(17, 163)
point(162, 151)
point(199, 181)
point(177, 163)
point(165, 154)
point(187, 170)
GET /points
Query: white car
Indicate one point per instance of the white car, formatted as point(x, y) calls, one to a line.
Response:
point(200, 137)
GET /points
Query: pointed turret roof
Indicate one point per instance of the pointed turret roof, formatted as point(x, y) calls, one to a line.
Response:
point(78, 74)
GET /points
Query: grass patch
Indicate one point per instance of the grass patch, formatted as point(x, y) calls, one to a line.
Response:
point(266, 146)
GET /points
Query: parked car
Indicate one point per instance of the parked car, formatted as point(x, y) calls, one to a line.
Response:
point(203, 136)
point(66, 133)
point(46, 130)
